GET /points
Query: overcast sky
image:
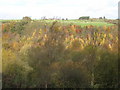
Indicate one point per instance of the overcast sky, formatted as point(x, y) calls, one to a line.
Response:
point(71, 9)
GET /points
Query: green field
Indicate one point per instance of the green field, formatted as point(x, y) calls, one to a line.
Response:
point(86, 23)
point(75, 22)
point(82, 22)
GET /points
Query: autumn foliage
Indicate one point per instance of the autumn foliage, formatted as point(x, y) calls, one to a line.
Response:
point(43, 55)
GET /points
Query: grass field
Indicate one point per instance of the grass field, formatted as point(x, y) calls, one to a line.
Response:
point(83, 22)
point(75, 22)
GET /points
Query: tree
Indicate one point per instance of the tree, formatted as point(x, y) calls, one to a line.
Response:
point(73, 76)
point(100, 17)
point(104, 17)
point(106, 69)
point(15, 71)
point(52, 50)
point(26, 18)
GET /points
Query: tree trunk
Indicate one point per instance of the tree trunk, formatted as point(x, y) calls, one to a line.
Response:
point(46, 85)
point(92, 81)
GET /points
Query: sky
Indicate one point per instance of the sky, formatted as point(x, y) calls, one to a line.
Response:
point(71, 9)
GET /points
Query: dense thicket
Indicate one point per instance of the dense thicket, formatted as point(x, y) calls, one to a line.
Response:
point(43, 55)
